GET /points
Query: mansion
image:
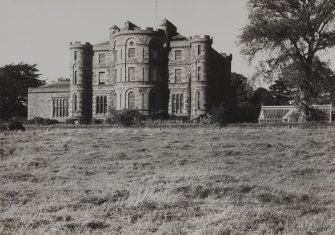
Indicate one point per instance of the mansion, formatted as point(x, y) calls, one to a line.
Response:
point(145, 69)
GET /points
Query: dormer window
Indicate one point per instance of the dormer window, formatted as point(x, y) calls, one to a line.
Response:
point(131, 53)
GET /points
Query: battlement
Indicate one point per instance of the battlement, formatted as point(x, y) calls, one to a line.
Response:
point(227, 56)
point(79, 45)
point(200, 38)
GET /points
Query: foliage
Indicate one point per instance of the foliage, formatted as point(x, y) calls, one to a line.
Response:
point(281, 93)
point(14, 83)
point(219, 115)
point(42, 121)
point(126, 117)
point(70, 121)
point(242, 90)
point(285, 33)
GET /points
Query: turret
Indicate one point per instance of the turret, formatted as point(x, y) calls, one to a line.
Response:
point(112, 30)
point(81, 80)
point(200, 54)
point(169, 29)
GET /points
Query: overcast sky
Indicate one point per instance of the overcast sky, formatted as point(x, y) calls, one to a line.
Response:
point(39, 31)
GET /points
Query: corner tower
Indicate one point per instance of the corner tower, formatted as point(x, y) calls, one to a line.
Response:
point(80, 102)
point(200, 80)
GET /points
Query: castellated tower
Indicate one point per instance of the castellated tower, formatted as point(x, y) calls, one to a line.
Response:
point(80, 102)
point(200, 77)
point(138, 68)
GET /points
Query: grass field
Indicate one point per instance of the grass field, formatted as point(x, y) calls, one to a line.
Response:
point(233, 180)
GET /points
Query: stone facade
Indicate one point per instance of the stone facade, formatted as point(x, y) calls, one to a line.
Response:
point(146, 69)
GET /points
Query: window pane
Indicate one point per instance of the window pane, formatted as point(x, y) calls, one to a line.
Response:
point(102, 78)
point(178, 75)
point(131, 100)
point(178, 54)
point(131, 74)
point(131, 52)
point(102, 58)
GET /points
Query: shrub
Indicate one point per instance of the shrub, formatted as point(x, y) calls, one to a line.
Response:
point(125, 117)
point(70, 121)
point(97, 121)
point(42, 121)
point(219, 115)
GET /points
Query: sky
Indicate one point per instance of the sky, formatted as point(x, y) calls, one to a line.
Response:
point(39, 31)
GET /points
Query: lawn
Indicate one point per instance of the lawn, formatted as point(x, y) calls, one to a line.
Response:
point(233, 180)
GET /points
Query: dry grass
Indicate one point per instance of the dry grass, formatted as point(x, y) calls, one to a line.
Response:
point(250, 180)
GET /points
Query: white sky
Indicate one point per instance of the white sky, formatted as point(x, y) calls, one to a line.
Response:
point(39, 31)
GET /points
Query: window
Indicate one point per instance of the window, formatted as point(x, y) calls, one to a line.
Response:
point(102, 78)
point(199, 73)
point(115, 75)
point(131, 74)
point(75, 78)
point(199, 49)
point(198, 100)
point(131, 100)
point(101, 105)
point(101, 57)
point(178, 75)
point(75, 55)
point(177, 103)
point(75, 103)
point(131, 53)
point(178, 55)
point(60, 107)
point(152, 101)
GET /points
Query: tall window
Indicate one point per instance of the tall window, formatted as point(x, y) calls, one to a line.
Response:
point(199, 49)
point(102, 78)
point(75, 104)
point(131, 52)
point(199, 73)
point(177, 103)
point(198, 100)
point(101, 105)
point(178, 75)
point(131, 74)
point(60, 107)
point(101, 57)
point(131, 100)
point(115, 75)
point(178, 55)
point(152, 101)
point(75, 78)
point(75, 55)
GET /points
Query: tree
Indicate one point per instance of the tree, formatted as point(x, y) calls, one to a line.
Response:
point(290, 32)
point(262, 96)
point(14, 83)
point(242, 90)
point(281, 92)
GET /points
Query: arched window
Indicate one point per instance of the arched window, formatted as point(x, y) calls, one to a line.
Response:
point(75, 102)
point(198, 100)
point(131, 100)
point(152, 101)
